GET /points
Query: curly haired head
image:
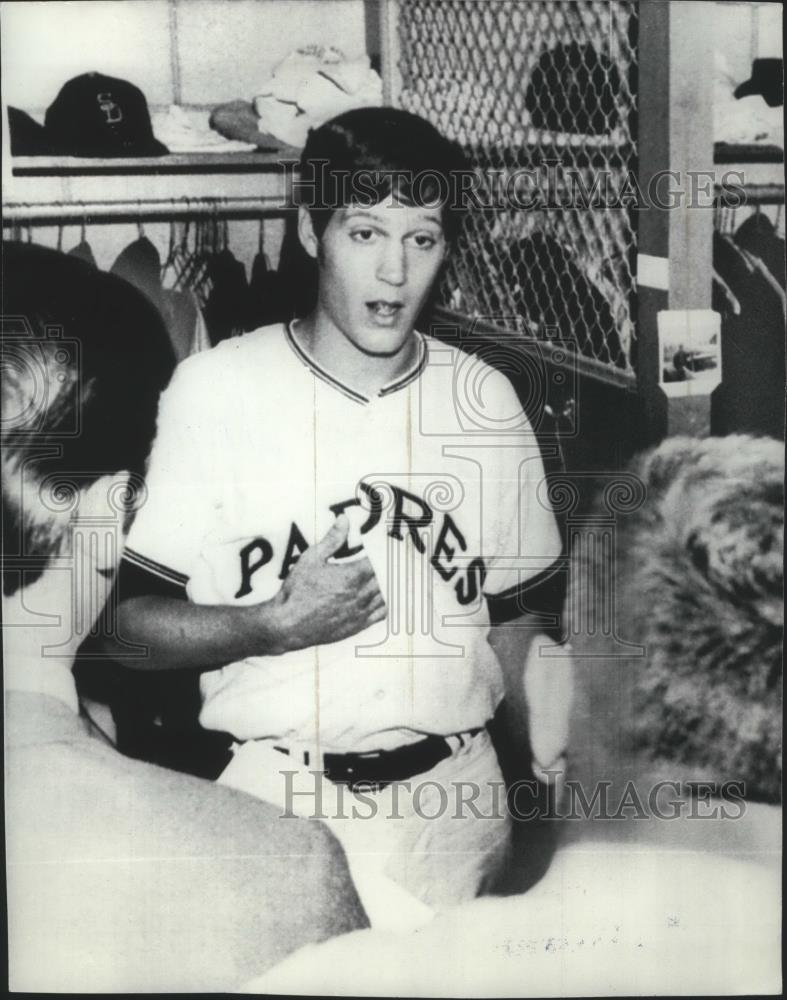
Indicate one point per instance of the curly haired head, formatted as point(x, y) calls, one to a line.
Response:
point(698, 583)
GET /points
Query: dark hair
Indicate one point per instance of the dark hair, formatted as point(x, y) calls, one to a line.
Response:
point(698, 577)
point(85, 357)
point(364, 155)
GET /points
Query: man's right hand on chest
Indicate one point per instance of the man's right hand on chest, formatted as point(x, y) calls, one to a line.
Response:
point(322, 601)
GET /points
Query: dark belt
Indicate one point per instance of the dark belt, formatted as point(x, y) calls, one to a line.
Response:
point(374, 770)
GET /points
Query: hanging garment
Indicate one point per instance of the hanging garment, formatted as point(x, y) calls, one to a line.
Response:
point(751, 396)
point(83, 251)
point(185, 323)
point(772, 283)
point(201, 338)
point(731, 263)
point(296, 279)
point(761, 301)
point(227, 304)
point(722, 299)
point(268, 300)
point(750, 399)
point(259, 301)
point(140, 265)
point(758, 235)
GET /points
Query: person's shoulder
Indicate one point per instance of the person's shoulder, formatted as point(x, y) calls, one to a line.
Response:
point(231, 359)
point(238, 351)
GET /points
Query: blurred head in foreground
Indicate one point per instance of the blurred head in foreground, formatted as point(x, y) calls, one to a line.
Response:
point(695, 579)
point(85, 357)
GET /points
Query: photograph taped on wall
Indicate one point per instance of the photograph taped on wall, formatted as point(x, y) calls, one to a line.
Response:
point(690, 346)
point(393, 496)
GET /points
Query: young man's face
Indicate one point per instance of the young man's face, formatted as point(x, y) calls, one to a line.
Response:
point(377, 265)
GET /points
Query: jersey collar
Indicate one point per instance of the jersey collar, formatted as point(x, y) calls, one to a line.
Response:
point(398, 383)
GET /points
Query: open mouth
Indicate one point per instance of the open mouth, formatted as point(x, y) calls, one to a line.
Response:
point(384, 309)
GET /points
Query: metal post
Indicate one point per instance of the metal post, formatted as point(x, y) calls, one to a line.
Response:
point(652, 224)
point(389, 51)
point(691, 154)
point(675, 230)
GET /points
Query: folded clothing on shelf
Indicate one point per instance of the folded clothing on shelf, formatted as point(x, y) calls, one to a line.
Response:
point(237, 120)
point(310, 86)
point(188, 130)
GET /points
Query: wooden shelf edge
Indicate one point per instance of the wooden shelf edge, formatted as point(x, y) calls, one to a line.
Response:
point(263, 160)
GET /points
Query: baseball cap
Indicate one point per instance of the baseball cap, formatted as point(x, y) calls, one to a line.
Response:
point(97, 115)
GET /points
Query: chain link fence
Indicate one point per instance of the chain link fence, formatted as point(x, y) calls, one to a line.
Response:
point(542, 96)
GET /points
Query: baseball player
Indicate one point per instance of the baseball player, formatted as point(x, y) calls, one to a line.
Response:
point(337, 511)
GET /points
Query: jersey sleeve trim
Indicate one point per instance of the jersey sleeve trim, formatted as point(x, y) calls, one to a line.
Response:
point(155, 569)
point(542, 596)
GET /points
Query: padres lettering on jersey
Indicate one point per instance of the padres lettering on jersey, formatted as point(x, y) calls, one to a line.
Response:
point(258, 450)
point(405, 523)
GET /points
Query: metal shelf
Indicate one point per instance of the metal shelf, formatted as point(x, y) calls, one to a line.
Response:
point(196, 163)
point(191, 184)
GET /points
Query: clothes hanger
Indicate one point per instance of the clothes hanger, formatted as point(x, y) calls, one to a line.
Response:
point(195, 267)
point(192, 258)
point(168, 262)
point(200, 281)
point(182, 252)
point(732, 301)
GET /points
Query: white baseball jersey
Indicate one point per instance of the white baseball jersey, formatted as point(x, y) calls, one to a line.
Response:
point(259, 449)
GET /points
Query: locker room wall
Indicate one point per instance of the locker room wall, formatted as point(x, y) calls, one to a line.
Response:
point(193, 52)
point(222, 50)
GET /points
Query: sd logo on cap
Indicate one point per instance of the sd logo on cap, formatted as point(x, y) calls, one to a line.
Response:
point(97, 115)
